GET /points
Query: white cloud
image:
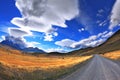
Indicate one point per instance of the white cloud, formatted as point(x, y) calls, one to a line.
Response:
point(65, 43)
point(2, 38)
point(80, 30)
point(101, 34)
point(100, 13)
point(18, 32)
point(92, 41)
point(29, 44)
point(115, 15)
point(61, 50)
point(48, 37)
point(40, 15)
point(55, 34)
point(103, 23)
point(19, 41)
point(14, 42)
point(32, 44)
point(88, 42)
point(107, 35)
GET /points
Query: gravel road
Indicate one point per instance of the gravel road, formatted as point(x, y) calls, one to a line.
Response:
point(98, 68)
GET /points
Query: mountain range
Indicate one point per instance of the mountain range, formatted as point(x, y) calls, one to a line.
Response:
point(17, 43)
point(112, 44)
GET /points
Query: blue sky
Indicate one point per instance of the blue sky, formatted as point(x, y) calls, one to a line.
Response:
point(59, 25)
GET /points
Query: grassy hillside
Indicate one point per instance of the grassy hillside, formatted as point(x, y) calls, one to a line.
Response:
point(14, 65)
point(115, 55)
point(112, 44)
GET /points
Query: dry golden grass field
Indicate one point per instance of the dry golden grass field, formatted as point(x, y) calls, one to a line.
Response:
point(113, 55)
point(15, 58)
point(14, 65)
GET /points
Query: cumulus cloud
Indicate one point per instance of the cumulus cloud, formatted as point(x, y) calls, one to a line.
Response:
point(48, 37)
point(17, 32)
point(65, 42)
point(80, 30)
point(32, 44)
point(2, 38)
point(107, 35)
point(40, 15)
point(100, 11)
point(60, 50)
point(115, 15)
point(103, 23)
point(88, 42)
point(55, 34)
point(16, 43)
point(92, 41)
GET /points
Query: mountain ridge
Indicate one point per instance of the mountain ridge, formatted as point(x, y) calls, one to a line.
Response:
point(18, 44)
point(111, 44)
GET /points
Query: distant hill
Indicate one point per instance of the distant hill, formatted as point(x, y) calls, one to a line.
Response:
point(32, 50)
point(13, 42)
point(17, 43)
point(112, 44)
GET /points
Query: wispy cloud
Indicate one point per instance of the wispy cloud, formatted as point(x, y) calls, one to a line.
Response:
point(115, 15)
point(2, 38)
point(32, 44)
point(50, 37)
point(17, 43)
point(82, 29)
point(92, 41)
point(19, 32)
point(65, 43)
point(61, 50)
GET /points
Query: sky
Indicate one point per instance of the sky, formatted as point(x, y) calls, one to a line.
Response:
point(59, 25)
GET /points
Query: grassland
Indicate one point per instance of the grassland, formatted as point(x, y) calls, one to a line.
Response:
point(14, 65)
point(115, 55)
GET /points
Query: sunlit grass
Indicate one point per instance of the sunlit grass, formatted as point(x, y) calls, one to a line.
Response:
point(15, 59)
point(113, 55)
